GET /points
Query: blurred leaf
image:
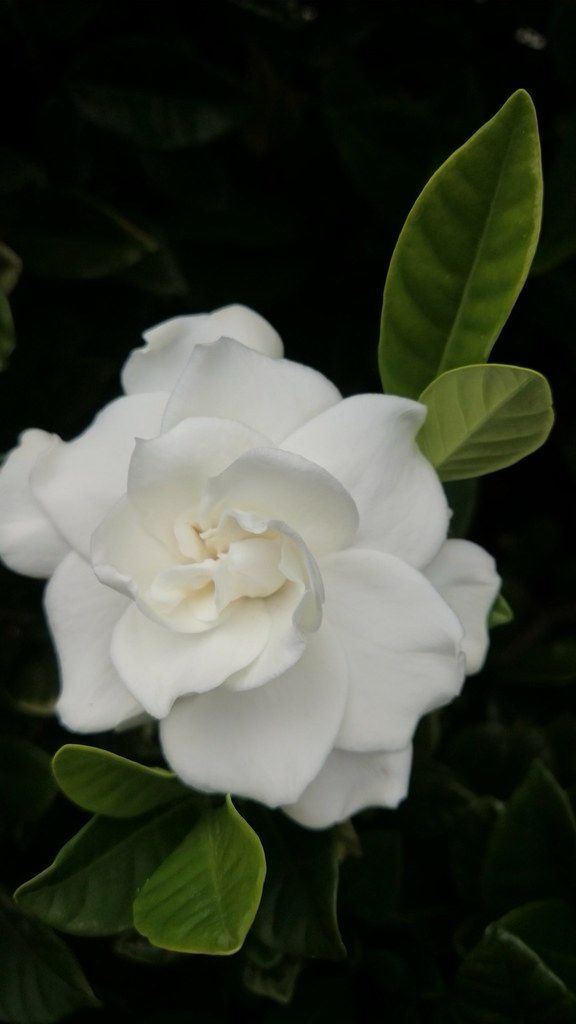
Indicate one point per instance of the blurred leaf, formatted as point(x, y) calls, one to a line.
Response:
point(484, 418)
point(546, 664)
point(204, 896)
point(370, 885)
point(464, 253)
point(275, 981)
point(462, 497)
point(558, 240)
point(105, 783)
point(7, 335)
point(135, 948)
point(90, 887)
point(500, 613)
point(549, 929)
point(40, 979)
point(72, 236)
point(532, 854)
point(502, 981)
point(26, 784)
point(494, 759)
point(297, 914)
point(473, 831)
point(10, 269)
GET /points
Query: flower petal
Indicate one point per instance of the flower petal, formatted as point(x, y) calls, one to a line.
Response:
point(79, 482)
point(285, 645)
point(348, 783)
point(82, 614)
point(29, 543)
point(228, 380)
point(278, 485)
point(368, 443)
point(465, 575)
point(403, 645)
point(158, 365)
point(159, 665)
point(168, 474)
point(266, 743)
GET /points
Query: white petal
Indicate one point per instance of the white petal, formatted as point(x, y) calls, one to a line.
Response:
point(465, 575)
point(228, 380)
point(82, 614)
point(169, 473)
point(169, 345)
point(159, 665)
point(124, 555)
point(29, 543)
point(278, 485)
point(79, 482)
point(348, 783)
point(403, 645)
point(286, 641)
point(368, 443)
point(266, 743)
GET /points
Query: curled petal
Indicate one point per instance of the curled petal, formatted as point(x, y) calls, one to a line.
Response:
point(349, 782)
point(159, 665)
point(228, 380)
point(466, 577)
point(368, 443)
point(82, 614)
point(403, 645)
point(158, 365)
point(265, 743)
point(79, 482)
point(29, 543)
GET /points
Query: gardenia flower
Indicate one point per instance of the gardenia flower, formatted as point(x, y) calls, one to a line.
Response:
point(262, 566)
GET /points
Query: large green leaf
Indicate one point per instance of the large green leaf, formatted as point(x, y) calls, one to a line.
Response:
point(90, 887)
point(483, 418)
point(105, 783)
point(549, 928)
point(532, 855)
point(297, 914)
point(464, 253)
point(40, 979)
point(502, 981)
point(204, 897)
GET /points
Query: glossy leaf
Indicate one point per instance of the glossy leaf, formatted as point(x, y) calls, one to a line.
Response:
point(90, 887)
point(40, 979)
point(105, 783)
point(297, 914)
point(464, 253)
point(533, 850)
point(204, 897)
point(549, 928)
point(484, 418)
point(500, 613)
point(502, 981)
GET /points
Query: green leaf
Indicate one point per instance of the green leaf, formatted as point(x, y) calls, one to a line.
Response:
point(297, 914)
point(90, 887)
point(532, 855)
point(549, 928)
point(502, 981)
point(10, 268)
point(204, 897)
point(7, 333)
point(26, 784)
point(483, 418)
point(105, 783)
point(463, 253)
point(371, 883)
point(40, 979)
point(501, 613)
point(274, 980)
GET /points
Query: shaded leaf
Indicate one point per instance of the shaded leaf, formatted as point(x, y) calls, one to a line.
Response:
point(549, 929)
point(370, 885)
point(10, 268)
point(90, 887)
point(26, 784)
point(464, 253)
point(105, 783)
point(500, 613)
point(484, 418)
point(204, 896)
point(7, 334)
point(40, 979)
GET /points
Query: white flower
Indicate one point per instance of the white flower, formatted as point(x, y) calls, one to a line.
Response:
point(265, 570)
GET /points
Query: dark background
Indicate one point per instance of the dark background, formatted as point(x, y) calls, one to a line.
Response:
point(165, 158)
